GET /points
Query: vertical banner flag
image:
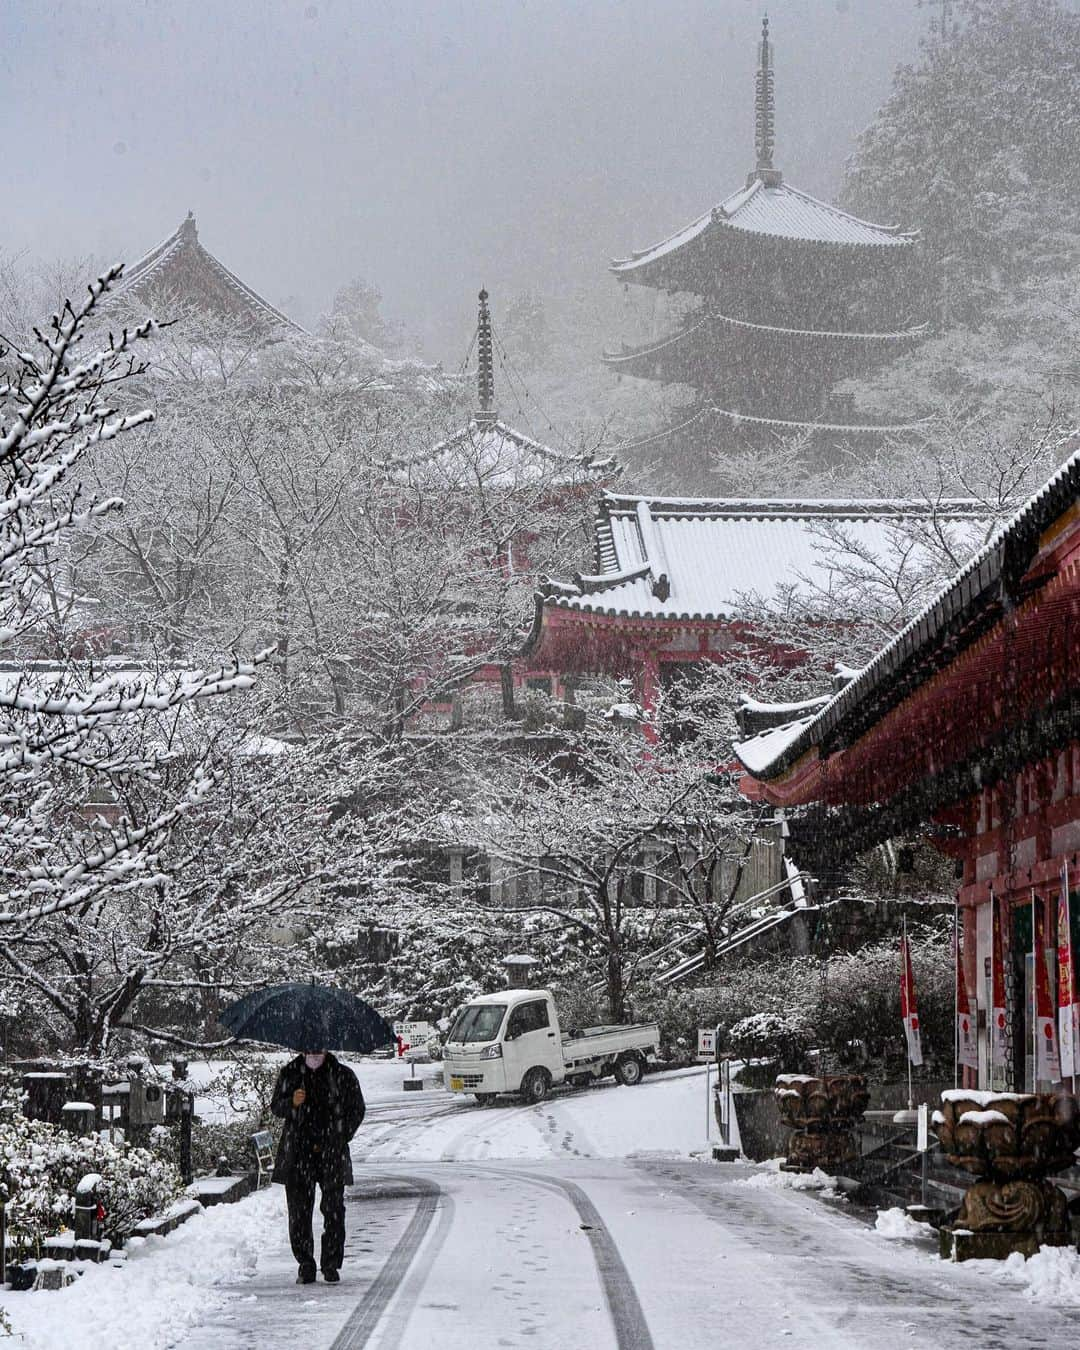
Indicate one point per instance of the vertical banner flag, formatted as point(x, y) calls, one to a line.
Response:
point(908, 1010)
point(1068, 1007)
point(998, 1044)
point(1047, 1062)
point(967, 1049)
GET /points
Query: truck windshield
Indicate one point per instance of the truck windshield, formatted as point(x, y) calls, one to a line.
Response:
point(477, 1022)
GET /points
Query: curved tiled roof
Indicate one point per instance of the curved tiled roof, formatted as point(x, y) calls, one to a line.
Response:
point(182, 247)
point(503, 455)
point(629, 354)
point(701, 558)
point(1004, 557)
point(775, 212)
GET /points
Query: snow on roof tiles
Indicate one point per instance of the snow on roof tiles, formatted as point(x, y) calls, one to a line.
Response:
point(979, 573)
point(780, 212)
point(700, 558)
point(500, 455)
point(141, 276)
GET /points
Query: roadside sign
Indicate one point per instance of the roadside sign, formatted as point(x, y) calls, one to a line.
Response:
point(706, 1043)
point(412, 1036)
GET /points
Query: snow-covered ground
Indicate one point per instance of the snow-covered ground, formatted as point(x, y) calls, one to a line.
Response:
point(584, 1222)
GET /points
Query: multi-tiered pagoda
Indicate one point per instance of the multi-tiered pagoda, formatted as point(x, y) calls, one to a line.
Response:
point(791, 296)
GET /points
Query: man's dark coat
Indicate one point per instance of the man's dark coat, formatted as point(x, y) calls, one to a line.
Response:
point(334, 1107)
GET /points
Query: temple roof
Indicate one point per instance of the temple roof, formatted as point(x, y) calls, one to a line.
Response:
point(768, 332)
point(733, 417)
point(704, 558)
point(490, 452)
point(775, 212)
point(947, 624)
point(181, 269)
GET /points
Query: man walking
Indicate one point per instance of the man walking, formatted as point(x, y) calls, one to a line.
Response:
point(322, 1105)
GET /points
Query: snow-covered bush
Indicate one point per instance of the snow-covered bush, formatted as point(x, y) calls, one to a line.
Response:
point(245, 1089)
point(783, 1036)
point(847, 1006)
point(41, 1165)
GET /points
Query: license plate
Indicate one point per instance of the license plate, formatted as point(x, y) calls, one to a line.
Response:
point(457, 1084)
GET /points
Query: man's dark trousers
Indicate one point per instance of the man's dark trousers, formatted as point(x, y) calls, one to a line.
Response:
point(300, 1195)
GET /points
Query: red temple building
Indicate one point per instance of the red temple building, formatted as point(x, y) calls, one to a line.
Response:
point(784, 296)
point(674, 578)
point(966, 726)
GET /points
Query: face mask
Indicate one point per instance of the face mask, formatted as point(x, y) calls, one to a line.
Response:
point(314, 1061)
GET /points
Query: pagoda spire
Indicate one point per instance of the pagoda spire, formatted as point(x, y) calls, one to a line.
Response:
point(765, 113)
point(485, 364)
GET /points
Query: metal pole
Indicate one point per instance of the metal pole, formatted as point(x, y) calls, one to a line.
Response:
point(187, 1110)
point(907, 962)
point(1034, 1002)
point(991, 1025)
point(956, 992)
point(708, 1073)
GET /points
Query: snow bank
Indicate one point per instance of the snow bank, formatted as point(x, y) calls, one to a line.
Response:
point(165, 1285)
point(1051, 1276)
point(897, 1223)
point(770, 1175)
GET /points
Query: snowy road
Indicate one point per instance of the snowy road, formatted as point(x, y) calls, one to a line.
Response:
point(557, 1227)
point(473, 1228)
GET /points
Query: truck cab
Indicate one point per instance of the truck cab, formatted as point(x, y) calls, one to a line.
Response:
point(512, 1042)
point(498, 1040)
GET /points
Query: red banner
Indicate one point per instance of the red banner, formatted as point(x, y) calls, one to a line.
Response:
point(908, 1008)
point(1047, 1060)
point(999, 1046)
point(1068, 1006)
point(967, 1048)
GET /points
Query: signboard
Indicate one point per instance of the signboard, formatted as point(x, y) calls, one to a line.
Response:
point(706, 1043)
point(412, 1035)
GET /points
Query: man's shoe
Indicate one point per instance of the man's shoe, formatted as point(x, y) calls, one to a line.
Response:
point(305, 1276)
point(331, 1277)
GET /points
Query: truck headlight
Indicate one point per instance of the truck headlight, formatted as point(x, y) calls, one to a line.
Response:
point(492, 1052)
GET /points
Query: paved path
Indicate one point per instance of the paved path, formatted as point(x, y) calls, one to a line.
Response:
point(591, 1254)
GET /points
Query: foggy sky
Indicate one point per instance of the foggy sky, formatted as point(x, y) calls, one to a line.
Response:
point(426, 146)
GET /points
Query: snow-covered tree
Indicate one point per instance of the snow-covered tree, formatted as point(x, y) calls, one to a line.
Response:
point(627, 846)
point(978, 145)
point(69, 728)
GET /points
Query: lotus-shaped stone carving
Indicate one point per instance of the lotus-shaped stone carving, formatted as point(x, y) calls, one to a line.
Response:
point(1010, 1141)
point(831, 1102)
point(1008, 1135)
point(821, 1111)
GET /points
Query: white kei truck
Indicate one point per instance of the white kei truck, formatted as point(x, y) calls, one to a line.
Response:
point(512, 1042)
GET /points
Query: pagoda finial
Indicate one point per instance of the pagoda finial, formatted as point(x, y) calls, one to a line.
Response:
point(187, 227)
point(485, 362)
point(765, 113)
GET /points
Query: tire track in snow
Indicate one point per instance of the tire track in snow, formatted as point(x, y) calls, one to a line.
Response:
point(397, 1131)
point(627, 1317)
point(367, 1314)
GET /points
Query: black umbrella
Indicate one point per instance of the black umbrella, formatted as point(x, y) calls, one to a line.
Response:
point(308, 1017)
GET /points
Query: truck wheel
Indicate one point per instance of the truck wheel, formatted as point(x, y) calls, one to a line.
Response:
point(484, 1098)
point(629, 1070)
point(534, 1086)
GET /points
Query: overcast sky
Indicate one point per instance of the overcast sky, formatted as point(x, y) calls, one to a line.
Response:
point(427, 145)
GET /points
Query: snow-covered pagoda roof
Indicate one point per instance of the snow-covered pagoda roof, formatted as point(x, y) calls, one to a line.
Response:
point(776, 212)
point(948, 624)
point(766, 209)
point(488, 451)
point(182, 271)
point(669, 558)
